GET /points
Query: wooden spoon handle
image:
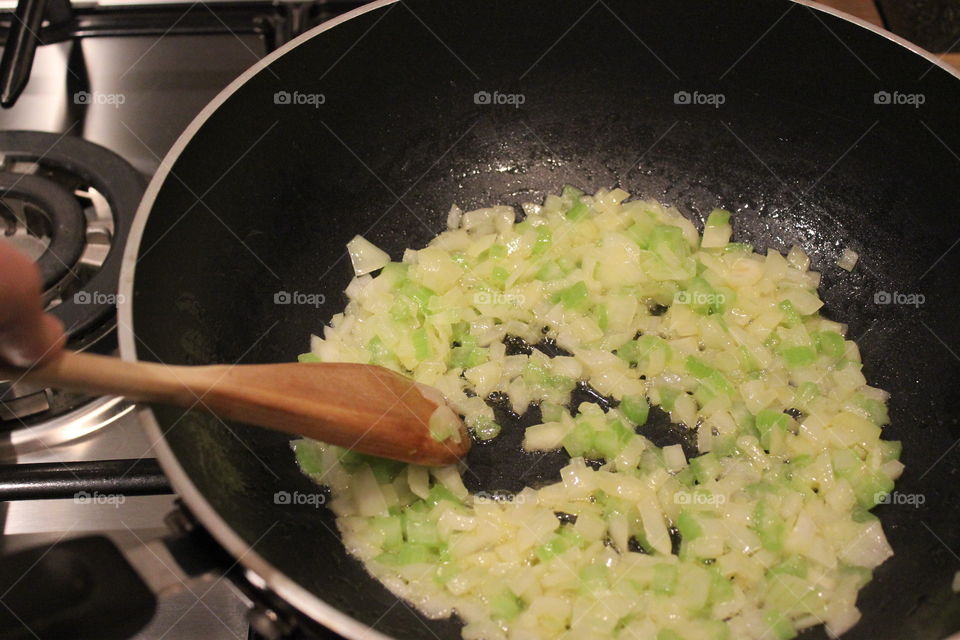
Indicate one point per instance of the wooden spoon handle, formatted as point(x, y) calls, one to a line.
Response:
point(363, 407)
point(103, 375)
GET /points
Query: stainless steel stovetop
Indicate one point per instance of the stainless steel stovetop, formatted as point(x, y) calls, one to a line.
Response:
point(140, 93)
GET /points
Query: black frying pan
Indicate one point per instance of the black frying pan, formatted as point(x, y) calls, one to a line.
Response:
point(264, 191)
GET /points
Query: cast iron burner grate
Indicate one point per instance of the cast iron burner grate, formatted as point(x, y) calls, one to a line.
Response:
point(67, 204)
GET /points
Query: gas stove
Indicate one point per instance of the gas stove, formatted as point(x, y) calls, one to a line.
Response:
point(100, 92)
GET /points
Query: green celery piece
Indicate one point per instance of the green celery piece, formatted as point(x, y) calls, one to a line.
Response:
point(607, 444)
point(550, 270)
point(409, 553)
point(794, 565)
point(497, 251)
point(688, 525)
point(799, 356)
point(579, 441)
point(578, 210)
point(706, 467)
point(718, 218)
point(421, 346)
point(765, 422)
point(637, 351)
point(418, 293)
point(769, 526)
point(439, 493)
point(499, 276)
point(668, 395)
point(309, 455)
point(668, 238)
point(830, 343)
point(390, 529)
point(445, 571)
point(720, 587)
point(780, 626)
point(543, 241)
point(420, 530)
point(379, 353)
point(485, 428)
point(593, 577)
point(570, 192)
point(506, 605)
point(603, 320)
point(876, 409)
point(308, 357)
point(807, 392)
point(790, 316)
point(573, 296)
point(668, 634)
point(636, 409)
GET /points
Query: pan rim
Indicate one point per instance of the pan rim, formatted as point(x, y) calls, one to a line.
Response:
point(259, 571)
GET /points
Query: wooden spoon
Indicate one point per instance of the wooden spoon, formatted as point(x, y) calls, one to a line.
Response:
point(362, 407)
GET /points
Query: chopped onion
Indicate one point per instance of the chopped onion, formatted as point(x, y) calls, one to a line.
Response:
point(726, 342)
point(365, 256)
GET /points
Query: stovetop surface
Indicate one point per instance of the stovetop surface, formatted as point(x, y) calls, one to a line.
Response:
point(144, 92)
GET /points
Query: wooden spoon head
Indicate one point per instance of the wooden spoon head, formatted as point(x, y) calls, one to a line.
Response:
point(366, 408)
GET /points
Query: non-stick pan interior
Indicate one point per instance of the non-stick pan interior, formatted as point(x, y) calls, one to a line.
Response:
point(770, 109)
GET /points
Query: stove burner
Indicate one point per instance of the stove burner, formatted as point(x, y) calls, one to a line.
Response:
point(45, 222)
point(68, 204)
point(96, 177)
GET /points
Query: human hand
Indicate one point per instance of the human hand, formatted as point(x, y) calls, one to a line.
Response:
point(27, 334)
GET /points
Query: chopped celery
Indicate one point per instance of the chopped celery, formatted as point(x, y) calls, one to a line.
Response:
point(438, 494)
point(799, 356)
point(499, 276)
point(421, 344)
point(506, 605)
point(829, 343)
point(577, 211)
point(390, 530)
point(790, 316)
point(766, 421)
point(636, 409)
point(485, 428)
point(543, 241)
point(309, 455)
point(689, 528)
point(769, 526)
point(573, 296)
point(779, 625)
point(706, 467)
point(308, 357)
point(718, 217)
